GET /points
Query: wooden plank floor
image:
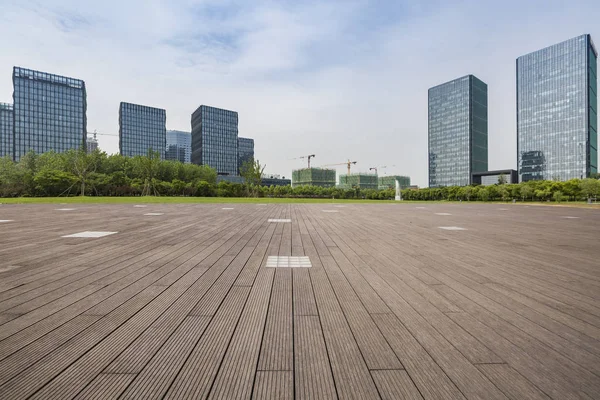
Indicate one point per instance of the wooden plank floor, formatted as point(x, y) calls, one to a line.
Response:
point(182, 305)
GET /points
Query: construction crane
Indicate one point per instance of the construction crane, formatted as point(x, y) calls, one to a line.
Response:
point(376, 169)
point(101, 134)
point(348, 163)
point(307, 157)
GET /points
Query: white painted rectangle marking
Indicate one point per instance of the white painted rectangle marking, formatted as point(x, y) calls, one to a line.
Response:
point(65, 209)
point(154, 214)
point(569, 217)
point(140, 205)
point(503, 209)
point(443, 214)
point(227, 208)
point(6, 220)
point(279, 220)
point(288, 262)
point(340, 206)
point(452, 228)
point(331, 211)
point(420, 208)
point(261, 204)
point(89, 234)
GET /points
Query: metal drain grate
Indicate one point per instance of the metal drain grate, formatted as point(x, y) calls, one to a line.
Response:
point(288, 262)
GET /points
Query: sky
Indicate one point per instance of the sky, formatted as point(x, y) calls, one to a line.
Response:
point(341, 79)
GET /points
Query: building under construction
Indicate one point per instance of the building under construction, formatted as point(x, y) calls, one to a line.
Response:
point(361, 181)
point(389, 182)
point(313, 177)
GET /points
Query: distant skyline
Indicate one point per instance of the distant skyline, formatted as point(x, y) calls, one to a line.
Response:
point(339, 79)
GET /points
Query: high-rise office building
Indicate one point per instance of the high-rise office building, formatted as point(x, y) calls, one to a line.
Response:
point(49, 112)
point(6, 130)
point(245, 151)
point(215, 139)
point(141, 128)
point(92, 144)
point(458, 131)
point(179, 146)
point(557, 106)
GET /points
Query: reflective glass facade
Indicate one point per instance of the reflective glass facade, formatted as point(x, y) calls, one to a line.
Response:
point(6, 130)
point(557, 107)
point(179, 146)
point(458, 131)
point(245, 151)
point(141, 128)
point(215, 139)
point(49, 112)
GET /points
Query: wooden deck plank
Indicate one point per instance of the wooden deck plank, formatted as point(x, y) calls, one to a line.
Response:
point(395, 384)
point(429, 378)
point(106, 387)
point(156, 377)
point(513, 384)
point(274, 385)
point(277, 350)
point(312, 369)
point(349, 368)
point(198, 372)
point(235, 377)
point(182, 305)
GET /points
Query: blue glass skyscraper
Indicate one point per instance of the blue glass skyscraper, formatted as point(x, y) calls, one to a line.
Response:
point(557, 106)
point(215, 139)
point(245, 151)
point(458, 131)
point(179, 146)
point(6, 130)
point(142, 128)
point(49, 112)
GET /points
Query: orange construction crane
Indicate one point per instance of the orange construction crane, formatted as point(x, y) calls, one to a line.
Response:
point(348, 163)
point(308, 157)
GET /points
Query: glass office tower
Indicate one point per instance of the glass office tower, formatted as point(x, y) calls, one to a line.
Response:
point(6, 130)
point(557, 107)
point(458, 131)
point(215, 139)
point(49, 112)
point(141, 128)
point(245, 151)
point(179, 146)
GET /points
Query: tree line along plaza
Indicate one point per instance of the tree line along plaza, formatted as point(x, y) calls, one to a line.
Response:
point(556, 127)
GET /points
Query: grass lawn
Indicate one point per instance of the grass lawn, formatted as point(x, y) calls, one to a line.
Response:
point(166, 199)
point(174, 200)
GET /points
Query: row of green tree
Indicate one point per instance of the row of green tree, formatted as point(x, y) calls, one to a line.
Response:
point(76, 172)
point(571, 190)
